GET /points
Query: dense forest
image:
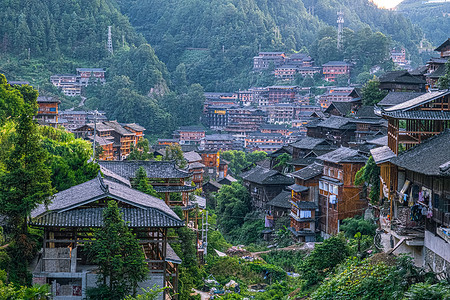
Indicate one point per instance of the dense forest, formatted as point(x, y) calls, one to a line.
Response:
point(432, 18)
point(217, 40)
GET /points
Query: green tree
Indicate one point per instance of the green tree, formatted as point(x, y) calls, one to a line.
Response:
point(141, 151)
point(351, 226)
point(283, 161)
point(444, 81)
point(371, 93)
point(118, 255)
point(24, 184)
point(233, 204)
point(174, 152)
point(370, 174)
point(142, 184)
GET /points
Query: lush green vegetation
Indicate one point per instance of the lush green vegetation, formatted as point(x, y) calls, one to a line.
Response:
point(35, 163)
point(119, 257)
point(217, 40)
point(240, 160)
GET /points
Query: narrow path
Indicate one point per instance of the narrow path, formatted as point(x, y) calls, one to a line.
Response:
point(204, 295)
point(306, 246)
point(82, 101)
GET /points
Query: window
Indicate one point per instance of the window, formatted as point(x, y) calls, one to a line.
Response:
point(321, 185)
point(335, 189)
point(305, 214)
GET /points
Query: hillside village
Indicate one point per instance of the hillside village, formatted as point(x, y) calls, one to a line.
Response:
point(329, 180)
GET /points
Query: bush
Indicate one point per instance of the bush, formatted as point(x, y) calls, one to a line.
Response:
point(426, 291)
point(351, 226)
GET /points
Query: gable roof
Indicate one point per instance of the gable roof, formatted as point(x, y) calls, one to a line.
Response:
point(382, 154)
point(281, 200)
point(394, 98)
point(134, 126)
point(344, 108)
point(192, 156)
point(310, 171)
point(309, 143)
point(154, 169)
point(420, 100)
point(342, 155)
point(264, 176)
point(65, 205)
point(366, 111)
point(401, 76)
point(336, 122)
point(429, 157)
point(335, 63)
point(443, 45)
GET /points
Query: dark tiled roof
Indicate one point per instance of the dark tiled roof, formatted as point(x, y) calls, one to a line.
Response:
point(134, 126)
point(171, 256)
point(97, 189)
point(306, 205)
point(298, 188)
point(344, 108)
point(114, 177)
point(46, 99)
point(382, 154)
point(336, 63)
point(273, 127)
point(174, 188)
point(192, 156)
point(428, 157)
point(335, 122)
point(419, 115)
point(117, 127)
point(400, 77)
point(343, 154)
point(196, 165)
point(379, 141)
point(443, 45)
point(281, 200)
point(366, 111)
point(415, 102)
point(154, 169)
point(219, 137)
point(265, 176)
point(304, 161)
point(311, 171)
point(394, 98)
point(308, 143)
point(93, 217)
point(420, 71)
point(439, 72)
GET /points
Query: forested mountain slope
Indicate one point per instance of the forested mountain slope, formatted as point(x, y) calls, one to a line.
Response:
point(230, 32)
point(40, 38)
point(432, 18)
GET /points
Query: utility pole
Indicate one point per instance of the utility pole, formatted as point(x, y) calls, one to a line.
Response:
point(110, 45)
point(95, 133)
point(340, 22)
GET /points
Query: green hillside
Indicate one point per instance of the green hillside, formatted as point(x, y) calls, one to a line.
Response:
point(217, 40)
point(432, 18)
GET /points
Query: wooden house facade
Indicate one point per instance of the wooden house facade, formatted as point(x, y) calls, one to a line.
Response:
point(263, 185)
point(339, 197)
point(70, 220)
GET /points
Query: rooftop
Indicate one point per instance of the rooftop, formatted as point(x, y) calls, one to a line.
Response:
point(45, 99)
point(154, 169)
point(342, 155)
point(311, 171)
point(192, 156)
point(281, 200)
point(402, 76)
point(145, 210)
point(394, 98)
point(382, 154)
point(309, 143)
point(335, 63)
point(429, 158)
point(264, 176)
point(420, 100)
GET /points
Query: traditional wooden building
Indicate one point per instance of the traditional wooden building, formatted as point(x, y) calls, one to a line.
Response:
point(337, 130)
point(305, 202)
point(424, 116)
point(281, 93)
point(68, 224)
point(306, 150)
point(401, 81)
point(164, 176)
point(339, 197)
point(263, 185)
point(48, 110)
point(417, 185)
point(189, 134)
point(124, 136)
point(266, 59)
point(91, 75)
point(332, 69)
point(394, 98)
